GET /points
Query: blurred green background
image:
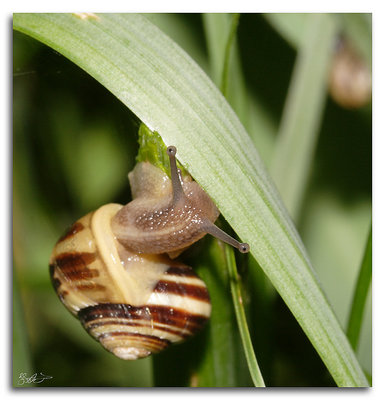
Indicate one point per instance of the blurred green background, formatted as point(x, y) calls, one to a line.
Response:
point(73, 145)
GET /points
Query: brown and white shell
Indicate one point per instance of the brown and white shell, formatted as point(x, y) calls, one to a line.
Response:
point(134, 305)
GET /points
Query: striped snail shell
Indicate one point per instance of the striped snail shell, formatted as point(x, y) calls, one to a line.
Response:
point(122, 284)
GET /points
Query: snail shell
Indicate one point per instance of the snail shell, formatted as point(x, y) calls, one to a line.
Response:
point(350, 78)
point(134, 305)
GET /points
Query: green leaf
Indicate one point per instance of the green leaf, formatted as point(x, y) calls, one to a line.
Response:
point(217, 27)
point(21, 349)
point(360, 295)
point(152, 76)
point(174, 26)
point(153, 150)
point(358, 28)
point(229, 47)
point(241, 318)
point(291, 26)
point(302, 116)
point(222, 49)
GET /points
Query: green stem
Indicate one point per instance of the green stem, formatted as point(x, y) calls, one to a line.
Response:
point(300, 124)
point(226, 61)
point(360, 294)
point(241, 318)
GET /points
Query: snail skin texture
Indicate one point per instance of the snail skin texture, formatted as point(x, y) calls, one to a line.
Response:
point(114, 268)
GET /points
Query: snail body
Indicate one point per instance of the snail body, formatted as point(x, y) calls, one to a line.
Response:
point(113, 269)
point(156, 223)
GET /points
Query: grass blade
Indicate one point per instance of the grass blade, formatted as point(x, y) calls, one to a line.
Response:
point(241, 318)
point(291, 26)
point(303, 110)
point(360, 295)
point(217, 27)
point(229, 253)
point(220, 32)
point(250, 110)
point(21, 351)
point(229, 45)
point(152, 76)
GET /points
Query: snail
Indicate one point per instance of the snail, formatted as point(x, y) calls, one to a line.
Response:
point(115, 268)
point(350, 78)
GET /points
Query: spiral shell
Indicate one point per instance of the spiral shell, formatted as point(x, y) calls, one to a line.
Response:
point(350, 78)
point(133, 304)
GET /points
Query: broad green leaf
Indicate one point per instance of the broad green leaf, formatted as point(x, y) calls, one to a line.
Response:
point(152, 76)
point(174, 26)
